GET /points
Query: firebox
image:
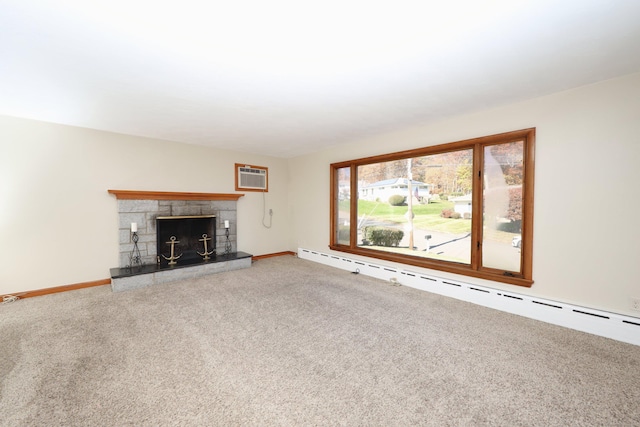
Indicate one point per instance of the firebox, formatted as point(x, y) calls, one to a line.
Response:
point(185, 239)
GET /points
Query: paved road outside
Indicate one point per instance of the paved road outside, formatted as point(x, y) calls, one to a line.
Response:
point(499, 255)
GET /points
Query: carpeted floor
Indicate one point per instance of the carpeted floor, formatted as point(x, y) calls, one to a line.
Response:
point(291, 342)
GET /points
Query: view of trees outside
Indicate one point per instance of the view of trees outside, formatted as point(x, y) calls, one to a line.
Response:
point(344, 200)
point(422, 206)
point(503, 176)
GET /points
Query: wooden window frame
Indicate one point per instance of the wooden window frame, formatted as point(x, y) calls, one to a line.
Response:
point(475, 268)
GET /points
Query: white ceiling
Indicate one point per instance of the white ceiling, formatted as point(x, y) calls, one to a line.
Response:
point(289, 77)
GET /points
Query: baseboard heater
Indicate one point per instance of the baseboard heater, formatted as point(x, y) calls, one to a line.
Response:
point(602, 323)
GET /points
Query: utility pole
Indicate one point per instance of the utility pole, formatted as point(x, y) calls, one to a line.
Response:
point(410, 204)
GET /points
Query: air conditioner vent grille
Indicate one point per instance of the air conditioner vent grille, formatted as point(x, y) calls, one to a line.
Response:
point(252, 178)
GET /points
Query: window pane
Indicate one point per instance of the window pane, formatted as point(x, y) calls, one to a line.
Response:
point(344, 209)
point(502, 222)
point(419, 206)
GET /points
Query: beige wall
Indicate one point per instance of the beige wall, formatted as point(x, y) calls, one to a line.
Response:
point(54, 179)
point(586, 249)
point(586, 240)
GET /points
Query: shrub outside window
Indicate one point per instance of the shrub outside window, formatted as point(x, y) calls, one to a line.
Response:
point(465, 207)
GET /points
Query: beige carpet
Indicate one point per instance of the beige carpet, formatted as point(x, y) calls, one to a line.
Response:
point(291, 342)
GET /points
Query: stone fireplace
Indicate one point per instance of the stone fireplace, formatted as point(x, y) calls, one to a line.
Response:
point(146, 212)
point(188, 216)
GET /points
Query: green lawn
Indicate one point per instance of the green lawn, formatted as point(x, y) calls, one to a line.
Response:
point(427, 217)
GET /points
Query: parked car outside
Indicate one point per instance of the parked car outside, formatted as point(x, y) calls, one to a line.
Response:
point(516, 242)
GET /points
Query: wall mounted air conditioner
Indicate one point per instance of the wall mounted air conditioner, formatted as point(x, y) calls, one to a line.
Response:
point(251, 178)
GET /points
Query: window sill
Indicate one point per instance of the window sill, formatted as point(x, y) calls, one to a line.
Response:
point(433, 265)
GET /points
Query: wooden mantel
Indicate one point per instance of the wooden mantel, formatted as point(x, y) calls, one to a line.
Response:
point(167, 195)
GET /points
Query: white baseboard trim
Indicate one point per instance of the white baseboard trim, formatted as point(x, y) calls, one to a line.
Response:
point(602, 323)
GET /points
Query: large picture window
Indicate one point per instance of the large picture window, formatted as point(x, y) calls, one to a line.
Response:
point(465, 207)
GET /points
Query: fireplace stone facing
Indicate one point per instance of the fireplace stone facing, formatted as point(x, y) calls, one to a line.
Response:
point(144, 212)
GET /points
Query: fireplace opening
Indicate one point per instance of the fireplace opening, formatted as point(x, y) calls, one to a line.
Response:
point(185, 239)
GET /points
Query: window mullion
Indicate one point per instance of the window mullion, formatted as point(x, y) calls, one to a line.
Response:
point(477, 209)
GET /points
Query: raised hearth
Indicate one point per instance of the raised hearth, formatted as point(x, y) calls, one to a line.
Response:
point(125, 278)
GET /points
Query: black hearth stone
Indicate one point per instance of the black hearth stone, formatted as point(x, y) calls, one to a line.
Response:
point(120, 272)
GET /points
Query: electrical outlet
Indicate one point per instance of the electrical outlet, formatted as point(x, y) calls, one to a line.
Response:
point(635, 304)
